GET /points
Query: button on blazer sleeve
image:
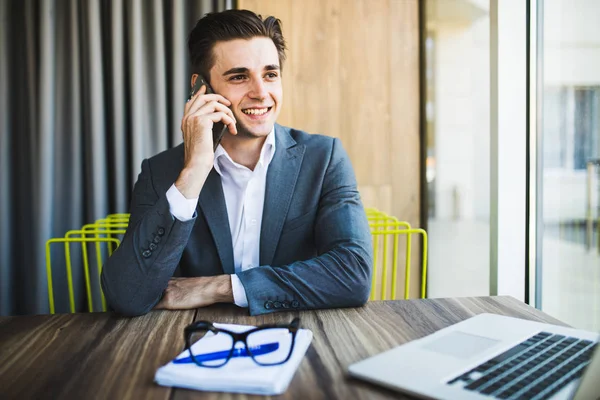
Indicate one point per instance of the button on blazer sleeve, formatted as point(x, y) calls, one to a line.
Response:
point(136, 274)
point(340, 274)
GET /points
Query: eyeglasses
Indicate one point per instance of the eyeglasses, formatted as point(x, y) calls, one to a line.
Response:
point(265, 344)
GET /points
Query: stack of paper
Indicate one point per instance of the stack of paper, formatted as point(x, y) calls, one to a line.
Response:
point(240, 374)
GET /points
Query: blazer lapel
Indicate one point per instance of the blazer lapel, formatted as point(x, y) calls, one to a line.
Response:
point(281, 181)
point(212, 203)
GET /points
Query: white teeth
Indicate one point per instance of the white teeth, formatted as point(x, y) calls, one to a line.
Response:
point(255, 111)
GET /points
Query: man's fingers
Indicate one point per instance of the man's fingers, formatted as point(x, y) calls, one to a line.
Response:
point(217, 97)
point(213, 110)
point(194, 99)
point(213, 106)
point(232, 129)
point(219, 116)
point(203, 104)
point(224, 118)
point(200, 99)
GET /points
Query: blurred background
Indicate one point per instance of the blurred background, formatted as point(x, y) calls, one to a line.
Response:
point(457, 73)
point(91, 88)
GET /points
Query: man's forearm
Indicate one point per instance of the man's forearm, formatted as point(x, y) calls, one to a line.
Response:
point(189, 293)
point(340, 277)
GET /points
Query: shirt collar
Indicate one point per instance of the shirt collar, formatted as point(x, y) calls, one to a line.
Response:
point(266, 153)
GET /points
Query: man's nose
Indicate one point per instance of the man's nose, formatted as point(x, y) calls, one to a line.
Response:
point(258, 89)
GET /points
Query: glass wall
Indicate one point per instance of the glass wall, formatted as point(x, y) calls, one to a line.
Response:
point(457, 55)
point(569, 277)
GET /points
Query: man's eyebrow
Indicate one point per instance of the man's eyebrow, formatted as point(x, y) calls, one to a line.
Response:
point(243, 70)
point(237, 70)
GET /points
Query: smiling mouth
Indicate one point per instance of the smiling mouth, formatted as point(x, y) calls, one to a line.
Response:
point(256, 111)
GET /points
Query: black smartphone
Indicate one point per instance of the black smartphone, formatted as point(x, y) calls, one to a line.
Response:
point(218, 127)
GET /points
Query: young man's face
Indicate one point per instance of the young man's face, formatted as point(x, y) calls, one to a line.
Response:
point(247, 73)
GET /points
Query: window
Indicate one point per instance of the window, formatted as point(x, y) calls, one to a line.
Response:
point(571, 127)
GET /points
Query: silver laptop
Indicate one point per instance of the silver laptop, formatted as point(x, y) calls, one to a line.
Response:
point(491, 356)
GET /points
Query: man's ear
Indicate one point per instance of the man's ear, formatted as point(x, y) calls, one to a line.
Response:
point(193, 80)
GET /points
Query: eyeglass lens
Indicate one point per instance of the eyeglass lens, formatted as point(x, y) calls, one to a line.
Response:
point(220, 345)
point(270, 346)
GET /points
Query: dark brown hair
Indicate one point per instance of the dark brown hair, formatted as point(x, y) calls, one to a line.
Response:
point(230, 25)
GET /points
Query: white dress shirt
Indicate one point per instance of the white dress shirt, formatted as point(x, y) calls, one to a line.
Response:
point(244, 192)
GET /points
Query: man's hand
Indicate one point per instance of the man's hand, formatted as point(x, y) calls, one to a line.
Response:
point(200, 114)
point(188, 293)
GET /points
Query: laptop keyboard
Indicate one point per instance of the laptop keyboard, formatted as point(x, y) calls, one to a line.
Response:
point(537, 368)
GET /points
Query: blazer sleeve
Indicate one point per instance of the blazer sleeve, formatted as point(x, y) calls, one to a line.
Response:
point(340, 276)
point(136, 274)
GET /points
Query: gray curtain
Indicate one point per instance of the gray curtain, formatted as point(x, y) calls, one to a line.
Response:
point(88, 89)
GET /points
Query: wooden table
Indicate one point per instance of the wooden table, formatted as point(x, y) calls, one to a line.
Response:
point(102, 355)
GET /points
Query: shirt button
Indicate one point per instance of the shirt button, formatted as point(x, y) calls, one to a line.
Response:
point(285, 304)
point(277, 304)
point(157, 239)
point(147, 253)
point(268, 304)
point(152, 247)
point(253, 222)
point(161, 231)
point(295, 304)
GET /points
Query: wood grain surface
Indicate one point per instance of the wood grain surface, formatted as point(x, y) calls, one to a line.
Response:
point(100, 355)
point(96, 355)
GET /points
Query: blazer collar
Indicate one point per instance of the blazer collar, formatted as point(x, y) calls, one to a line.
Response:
point(212, 204)
point(281, 180)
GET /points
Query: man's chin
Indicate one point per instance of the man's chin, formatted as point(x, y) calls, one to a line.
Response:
point(255, 131)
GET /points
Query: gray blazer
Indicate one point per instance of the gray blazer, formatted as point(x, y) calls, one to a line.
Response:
point(315, 243)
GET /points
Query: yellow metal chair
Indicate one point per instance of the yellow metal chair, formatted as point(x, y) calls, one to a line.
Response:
point(386, 230)
point(101, 231)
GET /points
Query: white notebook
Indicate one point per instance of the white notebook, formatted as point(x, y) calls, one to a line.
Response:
point(240, 374)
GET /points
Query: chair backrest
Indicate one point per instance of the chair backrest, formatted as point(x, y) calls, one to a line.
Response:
point(106, 231)
point(386, 231)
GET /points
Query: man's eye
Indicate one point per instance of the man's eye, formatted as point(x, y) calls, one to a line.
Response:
point(272, 75)
point(237, 78)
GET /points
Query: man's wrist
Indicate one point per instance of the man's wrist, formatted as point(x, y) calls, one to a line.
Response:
point(191, 180)
point(222, 290)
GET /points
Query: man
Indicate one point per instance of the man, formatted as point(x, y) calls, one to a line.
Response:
point(271, 220)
